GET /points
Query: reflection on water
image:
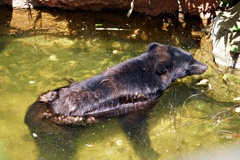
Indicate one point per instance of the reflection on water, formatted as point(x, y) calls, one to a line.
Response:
point(185, 119)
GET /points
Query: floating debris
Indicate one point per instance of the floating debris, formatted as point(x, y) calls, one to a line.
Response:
point(31, 82)
point(88, 145)
point(237, 110)
point(110, 29)
point(98, 25)
point(34, 135)
point(119, 142)
point(53, 58)
point(236, 99)
point(203, 82)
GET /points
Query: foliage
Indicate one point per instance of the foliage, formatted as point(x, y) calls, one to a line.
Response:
point(236, 28)
point(225, 2)
point(234, 48)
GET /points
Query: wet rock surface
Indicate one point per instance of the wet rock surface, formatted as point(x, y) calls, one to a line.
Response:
point(222, 82)
point(151, 7)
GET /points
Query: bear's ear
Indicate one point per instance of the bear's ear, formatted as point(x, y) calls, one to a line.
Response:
point(152, 46)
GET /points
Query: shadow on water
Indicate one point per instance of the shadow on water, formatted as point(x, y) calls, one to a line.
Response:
point(88, 24)
point(52, 140)
point(60, 142)
point(5, 19)
point(135, 127)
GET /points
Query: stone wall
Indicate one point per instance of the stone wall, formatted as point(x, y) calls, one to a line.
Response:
point(151, 7)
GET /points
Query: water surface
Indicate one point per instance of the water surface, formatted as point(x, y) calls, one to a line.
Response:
point(186, 122)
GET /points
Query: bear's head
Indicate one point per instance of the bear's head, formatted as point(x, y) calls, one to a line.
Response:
point(174, 62)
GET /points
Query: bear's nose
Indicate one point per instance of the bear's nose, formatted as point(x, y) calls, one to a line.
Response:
point(198, 68)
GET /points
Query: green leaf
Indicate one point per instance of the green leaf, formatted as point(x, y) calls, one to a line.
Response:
point(236, 28)
point(226, 2)
point(234, 48)
point(98, 25)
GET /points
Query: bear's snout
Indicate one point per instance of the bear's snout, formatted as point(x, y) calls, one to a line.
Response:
point(197, 68)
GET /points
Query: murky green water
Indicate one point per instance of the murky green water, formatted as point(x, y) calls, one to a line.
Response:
point(185, 124)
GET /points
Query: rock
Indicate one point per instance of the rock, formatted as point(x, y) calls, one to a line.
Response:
point(224, 36)
point(151, 7)
point(21, 4)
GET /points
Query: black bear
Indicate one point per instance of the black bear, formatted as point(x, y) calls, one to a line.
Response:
point(128, 87)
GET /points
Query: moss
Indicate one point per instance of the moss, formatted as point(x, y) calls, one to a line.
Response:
point(224, 81)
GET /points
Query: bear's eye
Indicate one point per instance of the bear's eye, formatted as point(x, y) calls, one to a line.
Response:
point(162, 68)
point(161, 71)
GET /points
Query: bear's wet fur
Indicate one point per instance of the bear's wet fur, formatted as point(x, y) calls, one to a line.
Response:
point(133, 85)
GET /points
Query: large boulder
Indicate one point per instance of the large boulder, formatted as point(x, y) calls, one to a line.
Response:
point(225, 34)
point(151, 7)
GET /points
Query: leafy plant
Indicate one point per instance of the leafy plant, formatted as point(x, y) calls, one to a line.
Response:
point(237, 27)
point(234, 48)
point(225, 2)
